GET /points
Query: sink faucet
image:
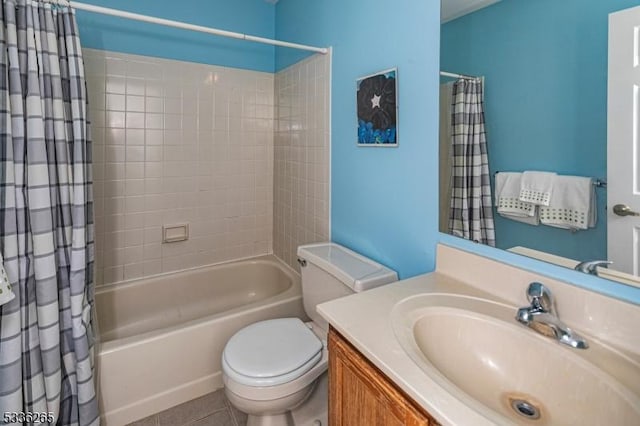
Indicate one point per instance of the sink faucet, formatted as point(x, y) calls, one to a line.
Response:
point(541, 316)
point(591, 267)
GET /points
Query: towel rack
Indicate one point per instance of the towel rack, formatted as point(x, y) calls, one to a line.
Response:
point(600, 183)
point(597, 182)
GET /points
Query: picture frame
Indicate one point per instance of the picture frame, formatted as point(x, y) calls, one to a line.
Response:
point(377, 109)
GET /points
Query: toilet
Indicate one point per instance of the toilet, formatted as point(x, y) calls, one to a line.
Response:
point(275, 370)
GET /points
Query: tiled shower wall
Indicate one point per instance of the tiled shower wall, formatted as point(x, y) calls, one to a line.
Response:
point(302, 156)
point(178, 142)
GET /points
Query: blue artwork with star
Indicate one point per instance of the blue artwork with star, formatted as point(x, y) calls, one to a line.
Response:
point(377, 111)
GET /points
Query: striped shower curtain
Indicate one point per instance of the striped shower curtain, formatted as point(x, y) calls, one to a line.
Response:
point(471, 215)
point(46, 220)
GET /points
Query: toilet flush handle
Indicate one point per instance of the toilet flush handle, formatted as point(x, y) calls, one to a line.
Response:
point(302, 262)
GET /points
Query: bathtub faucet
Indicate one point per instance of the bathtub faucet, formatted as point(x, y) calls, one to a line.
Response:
point(541, 317)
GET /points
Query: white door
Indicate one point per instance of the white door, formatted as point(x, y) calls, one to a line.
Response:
point(623, 141)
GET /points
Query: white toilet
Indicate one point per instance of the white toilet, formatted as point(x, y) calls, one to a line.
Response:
point(274, 370)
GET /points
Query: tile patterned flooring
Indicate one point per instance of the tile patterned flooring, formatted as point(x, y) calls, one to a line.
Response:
point(212, 409)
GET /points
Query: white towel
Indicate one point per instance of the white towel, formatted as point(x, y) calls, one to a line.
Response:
point(6, 294)
point(572, 205)
point(508, 203)
point(537, 187)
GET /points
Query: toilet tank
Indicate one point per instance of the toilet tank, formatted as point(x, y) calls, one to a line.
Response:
point(330, 271)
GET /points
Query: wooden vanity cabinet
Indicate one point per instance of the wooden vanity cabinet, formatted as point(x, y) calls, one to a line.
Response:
point(361, 395)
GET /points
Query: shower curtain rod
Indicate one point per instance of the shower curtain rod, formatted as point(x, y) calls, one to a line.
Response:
point(184, 25)
point(454, 75)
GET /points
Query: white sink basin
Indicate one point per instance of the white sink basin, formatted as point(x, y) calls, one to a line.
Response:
point(510, 374)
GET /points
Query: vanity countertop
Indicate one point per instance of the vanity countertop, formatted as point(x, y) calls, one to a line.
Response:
point(364, 320)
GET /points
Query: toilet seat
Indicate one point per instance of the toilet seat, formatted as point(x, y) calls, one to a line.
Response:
point(271, 353)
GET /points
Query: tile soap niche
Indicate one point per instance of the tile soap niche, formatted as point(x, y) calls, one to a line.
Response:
point(175, 233)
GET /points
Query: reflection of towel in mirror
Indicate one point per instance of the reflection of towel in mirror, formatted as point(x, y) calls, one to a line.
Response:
point(537, 187)
point(508, 203)
point(6, 294)
point(572, 204)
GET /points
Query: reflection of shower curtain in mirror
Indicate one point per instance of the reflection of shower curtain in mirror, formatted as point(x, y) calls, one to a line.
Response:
point(470, 216)
point(445, 155)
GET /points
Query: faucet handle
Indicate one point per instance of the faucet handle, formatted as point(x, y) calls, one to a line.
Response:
point(590, 267)
point(541, 297)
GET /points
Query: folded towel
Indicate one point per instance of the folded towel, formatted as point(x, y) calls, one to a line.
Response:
point(536, 187)
point(508, 203)
point(6, 295)
point(572, 204)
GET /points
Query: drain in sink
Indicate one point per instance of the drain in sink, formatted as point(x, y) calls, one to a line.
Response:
point(525, 409)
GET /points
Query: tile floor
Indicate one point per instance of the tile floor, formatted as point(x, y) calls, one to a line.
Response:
point(212, 409)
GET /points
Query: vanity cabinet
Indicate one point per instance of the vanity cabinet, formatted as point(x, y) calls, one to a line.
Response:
point(361, 395)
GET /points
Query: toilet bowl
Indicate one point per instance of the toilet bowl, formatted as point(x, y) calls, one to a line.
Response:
point(272, 369)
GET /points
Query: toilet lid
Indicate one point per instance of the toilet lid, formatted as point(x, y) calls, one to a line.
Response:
point(271, 352)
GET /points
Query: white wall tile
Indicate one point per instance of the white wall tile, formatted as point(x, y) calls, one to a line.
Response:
point(135, 103)
point(115, 119)
point(113, 84)
point(154, 104)
point(301, 156)
point(164, 154)
point(135, 120)
point(135, 86)
point(115, 102)
point(135, 136)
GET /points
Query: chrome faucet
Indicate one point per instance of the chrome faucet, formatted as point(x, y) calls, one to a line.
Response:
point(591, 267)
point(541, 316)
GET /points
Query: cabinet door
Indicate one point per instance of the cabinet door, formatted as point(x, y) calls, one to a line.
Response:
point(360, 395)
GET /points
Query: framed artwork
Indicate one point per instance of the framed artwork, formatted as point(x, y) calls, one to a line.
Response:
point(378, 109)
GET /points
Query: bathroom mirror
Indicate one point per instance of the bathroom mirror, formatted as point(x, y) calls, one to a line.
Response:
point(544, 68)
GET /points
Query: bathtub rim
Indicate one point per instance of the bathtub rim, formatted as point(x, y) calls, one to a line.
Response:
point(267, 258)
point(293, 292)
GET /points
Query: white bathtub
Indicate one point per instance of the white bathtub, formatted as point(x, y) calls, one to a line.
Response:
point(162, 337)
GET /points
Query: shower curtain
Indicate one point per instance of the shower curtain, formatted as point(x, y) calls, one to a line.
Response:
point(471, 214)
point(445, 157)
point(46, 220)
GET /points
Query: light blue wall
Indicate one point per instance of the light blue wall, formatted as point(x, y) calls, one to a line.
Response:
point(545, 65)
point(383, 200)
point(254, 17)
